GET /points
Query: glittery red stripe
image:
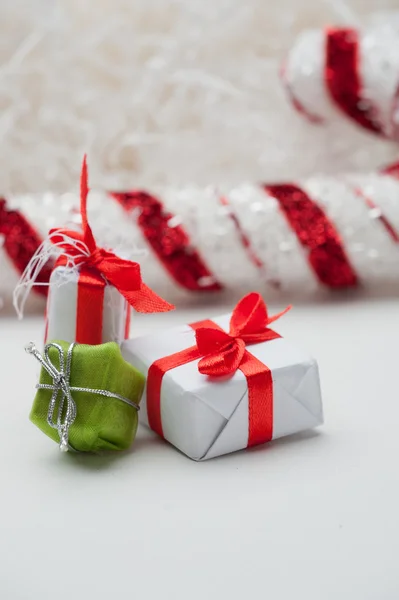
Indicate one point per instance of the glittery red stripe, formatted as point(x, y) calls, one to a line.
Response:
point(382, 218)
point(299, 107)
point(343, 80)
point(170, 243)
point(243, 237)
point(20, 242)
point(392, 170)
point(317, 235)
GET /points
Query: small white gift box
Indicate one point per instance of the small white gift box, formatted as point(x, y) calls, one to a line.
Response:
point(83, 307)
point(91, 289)
point(207, 416)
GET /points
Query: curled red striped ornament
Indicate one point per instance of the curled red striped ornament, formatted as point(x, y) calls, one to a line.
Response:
point(343, 71)
point(323, 232)
point(295, 237)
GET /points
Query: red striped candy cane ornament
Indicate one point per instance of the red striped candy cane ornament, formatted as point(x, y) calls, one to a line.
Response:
point(349, 73)
point(324, 232)
point(296, 237)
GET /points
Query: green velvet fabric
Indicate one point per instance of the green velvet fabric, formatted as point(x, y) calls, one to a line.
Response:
point(101, 423)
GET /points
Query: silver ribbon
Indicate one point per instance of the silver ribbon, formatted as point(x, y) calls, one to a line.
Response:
point(62, 385)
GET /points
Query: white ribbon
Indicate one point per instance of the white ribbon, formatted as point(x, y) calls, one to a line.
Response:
point(48, 249)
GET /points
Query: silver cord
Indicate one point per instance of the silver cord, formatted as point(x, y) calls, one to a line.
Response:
point(61, 384)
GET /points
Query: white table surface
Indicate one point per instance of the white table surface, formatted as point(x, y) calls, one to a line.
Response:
point(313, 517)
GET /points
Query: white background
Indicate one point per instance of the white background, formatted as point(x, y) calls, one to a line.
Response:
point(314, 516)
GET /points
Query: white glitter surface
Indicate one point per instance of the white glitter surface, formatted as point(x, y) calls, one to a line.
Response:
point(383, 191)
point(273, 240)
point(369, 247)
point(212, 231)
point(379, 71)
point(305, 74)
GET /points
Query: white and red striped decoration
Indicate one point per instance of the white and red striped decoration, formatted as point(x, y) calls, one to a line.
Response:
point(19, 240)
point(349, 73)
point(324, 232)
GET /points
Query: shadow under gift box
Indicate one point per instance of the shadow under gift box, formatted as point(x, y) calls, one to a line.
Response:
point(206, 417)
point(101, 423)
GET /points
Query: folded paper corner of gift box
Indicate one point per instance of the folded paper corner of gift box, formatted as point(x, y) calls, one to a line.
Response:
point(232, 436)
point(300, 396)
point(308, 392)
point(189, 423)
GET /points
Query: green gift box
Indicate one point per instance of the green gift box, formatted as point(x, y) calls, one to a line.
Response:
point(88, 396)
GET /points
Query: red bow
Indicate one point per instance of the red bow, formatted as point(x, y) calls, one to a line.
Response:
point(224, 352)
point(221, 354)
point(124, 275)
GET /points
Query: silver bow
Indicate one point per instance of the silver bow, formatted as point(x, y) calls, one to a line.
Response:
point(61, 384)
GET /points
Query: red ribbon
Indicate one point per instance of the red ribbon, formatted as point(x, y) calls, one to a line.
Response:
point(90, 306)
point(124, 275)
point(221, 354)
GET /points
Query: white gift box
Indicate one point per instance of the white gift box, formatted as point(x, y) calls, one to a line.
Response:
point(206, 417)
point(62, 311)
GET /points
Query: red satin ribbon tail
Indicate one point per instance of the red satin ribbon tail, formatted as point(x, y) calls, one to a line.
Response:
point(278, 315)
point(88, 236)
point(145, 300)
